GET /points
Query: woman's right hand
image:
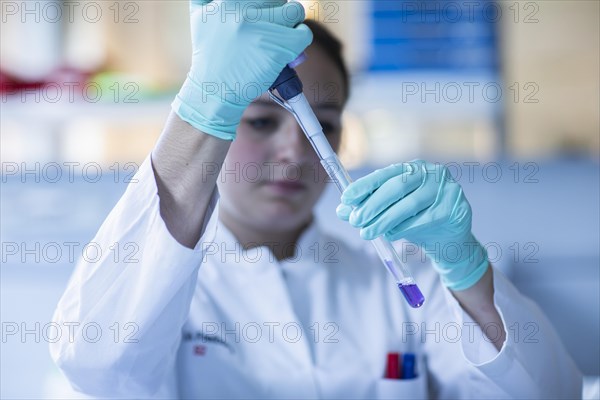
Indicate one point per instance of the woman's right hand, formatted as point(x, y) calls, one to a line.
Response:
point(239, 49)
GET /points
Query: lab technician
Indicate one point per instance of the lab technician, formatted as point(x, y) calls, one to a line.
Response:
point(233, 291)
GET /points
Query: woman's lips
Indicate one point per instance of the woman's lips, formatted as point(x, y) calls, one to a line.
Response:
point(285, 187)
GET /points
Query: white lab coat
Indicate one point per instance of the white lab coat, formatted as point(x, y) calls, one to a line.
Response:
point(220, 322)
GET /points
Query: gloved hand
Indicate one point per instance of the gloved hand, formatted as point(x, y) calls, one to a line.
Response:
point(239, 49)
point(419, 202)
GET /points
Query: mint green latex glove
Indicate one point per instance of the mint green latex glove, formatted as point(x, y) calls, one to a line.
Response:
point(421, 203)
point(239, 49)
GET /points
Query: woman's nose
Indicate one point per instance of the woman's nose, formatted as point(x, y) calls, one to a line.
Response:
point(292, 145)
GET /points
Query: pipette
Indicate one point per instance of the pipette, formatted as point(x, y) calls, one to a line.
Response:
point(291, 97)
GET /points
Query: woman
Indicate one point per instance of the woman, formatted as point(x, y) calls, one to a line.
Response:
point(253, 300)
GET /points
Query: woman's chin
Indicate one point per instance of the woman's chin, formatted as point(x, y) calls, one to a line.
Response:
point(282, 219)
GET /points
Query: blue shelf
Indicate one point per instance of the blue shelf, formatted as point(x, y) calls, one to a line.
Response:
point(434, 35)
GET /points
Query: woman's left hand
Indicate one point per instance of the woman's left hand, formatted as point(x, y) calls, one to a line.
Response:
point(419, 202)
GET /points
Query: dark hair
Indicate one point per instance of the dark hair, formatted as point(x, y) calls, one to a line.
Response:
point(323, 38)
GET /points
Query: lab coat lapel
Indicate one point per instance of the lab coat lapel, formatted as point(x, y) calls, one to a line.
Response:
point(257, 283)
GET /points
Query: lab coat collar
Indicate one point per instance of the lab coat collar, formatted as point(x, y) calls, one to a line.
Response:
point(261, 258)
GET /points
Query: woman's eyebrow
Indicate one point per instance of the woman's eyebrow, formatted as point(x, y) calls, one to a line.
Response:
point(263, 102)
point(320, 106)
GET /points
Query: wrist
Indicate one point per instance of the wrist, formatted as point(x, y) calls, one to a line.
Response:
point(461, 263)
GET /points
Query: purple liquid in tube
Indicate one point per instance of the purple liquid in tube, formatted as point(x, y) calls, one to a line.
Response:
point(411, 291)
point(412, 294)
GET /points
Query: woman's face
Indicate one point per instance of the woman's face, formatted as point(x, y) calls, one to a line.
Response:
point(271, 177)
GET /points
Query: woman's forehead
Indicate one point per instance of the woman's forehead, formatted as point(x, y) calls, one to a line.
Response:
point(322, 80)
point(322, 83)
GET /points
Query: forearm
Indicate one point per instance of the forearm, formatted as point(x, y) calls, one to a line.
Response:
point(186, 164)
point(478, 302)
point(533, 363)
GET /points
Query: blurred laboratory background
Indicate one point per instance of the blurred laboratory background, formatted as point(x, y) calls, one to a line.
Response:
point(506, 93)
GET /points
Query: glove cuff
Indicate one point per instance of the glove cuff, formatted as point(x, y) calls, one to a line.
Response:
point(467, 271)
point(469, 280)
point(207, 112)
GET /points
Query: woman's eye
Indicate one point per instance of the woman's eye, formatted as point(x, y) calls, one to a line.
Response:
point(262, 124)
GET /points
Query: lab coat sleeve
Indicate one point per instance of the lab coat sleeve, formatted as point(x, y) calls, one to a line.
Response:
point(532, 363)
point(122, 312)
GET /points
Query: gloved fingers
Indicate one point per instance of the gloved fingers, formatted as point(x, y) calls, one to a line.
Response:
point(448, 217)
point(417, 202)
point(288, 14)
point(389, 193)
point(279, 38)
point(279, 12)
point(343, 212)
point(305, 36)
point(255, 3)
point(196, 4)
point(409, 227)
point(358, 190)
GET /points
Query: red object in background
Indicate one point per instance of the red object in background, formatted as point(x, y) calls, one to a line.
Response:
point(393, 369)
point(199, 350)
point(11, 84)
